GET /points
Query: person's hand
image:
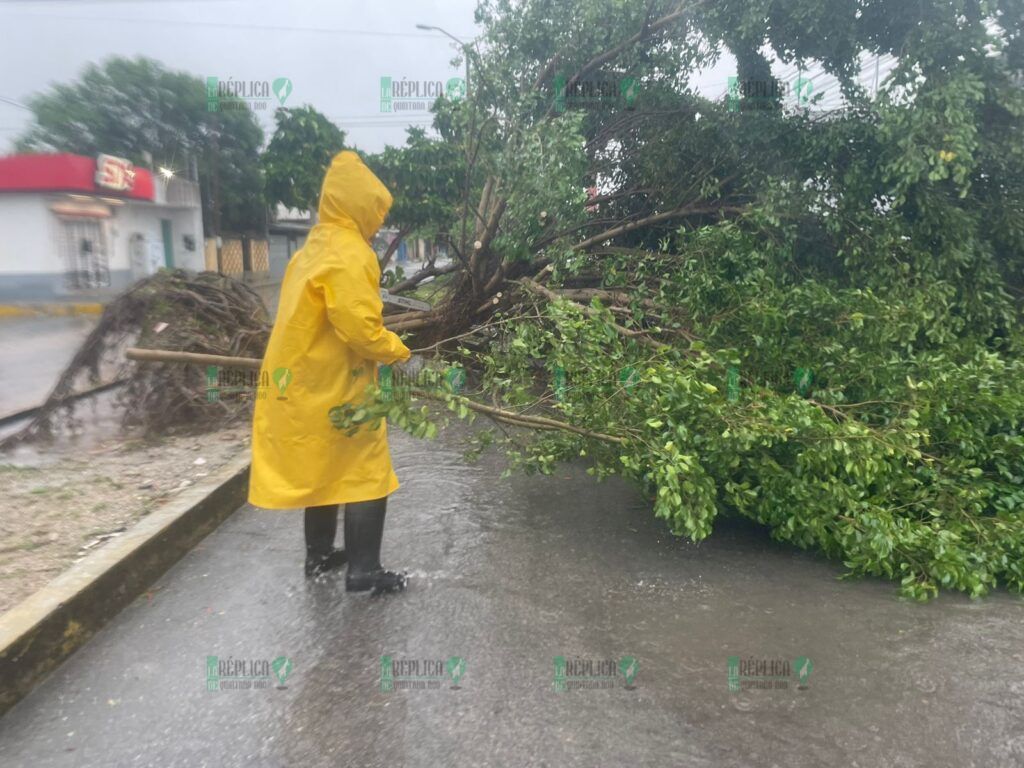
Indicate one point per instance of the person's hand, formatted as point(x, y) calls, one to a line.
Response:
point(412, 367)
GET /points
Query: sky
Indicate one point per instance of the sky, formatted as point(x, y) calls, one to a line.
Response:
point(333, 51)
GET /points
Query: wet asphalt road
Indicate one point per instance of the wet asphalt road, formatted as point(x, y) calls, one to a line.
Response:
point(33, 352)
point(509, 574)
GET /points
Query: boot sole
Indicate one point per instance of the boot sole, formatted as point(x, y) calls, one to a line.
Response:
point(374, 586)
point(336, 561)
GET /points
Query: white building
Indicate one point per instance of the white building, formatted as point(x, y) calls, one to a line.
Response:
point(74, 227)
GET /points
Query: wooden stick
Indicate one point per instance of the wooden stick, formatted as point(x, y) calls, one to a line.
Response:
point(167, 356)
point(521, 419)
point(400, 316)
point(412, 324)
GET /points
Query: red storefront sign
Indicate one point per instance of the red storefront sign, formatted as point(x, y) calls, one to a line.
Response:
point(108, 176)
point(114, 173)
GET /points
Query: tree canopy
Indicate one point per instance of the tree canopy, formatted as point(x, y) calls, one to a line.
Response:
point(298, 155)
point(138, 109)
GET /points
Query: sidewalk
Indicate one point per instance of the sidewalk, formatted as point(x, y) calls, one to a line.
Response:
point(507, 575)
point(93, 303)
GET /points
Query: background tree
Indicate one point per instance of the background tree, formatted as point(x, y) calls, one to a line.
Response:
point(136, 108)
point(298, 156)
point(425, 178)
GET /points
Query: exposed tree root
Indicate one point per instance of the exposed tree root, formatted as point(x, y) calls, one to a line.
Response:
point(172, 310)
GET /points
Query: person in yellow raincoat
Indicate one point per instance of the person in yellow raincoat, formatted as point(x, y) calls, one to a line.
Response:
point(327, 341)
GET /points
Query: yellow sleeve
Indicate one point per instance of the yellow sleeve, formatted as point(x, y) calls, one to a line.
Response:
point(351, 289)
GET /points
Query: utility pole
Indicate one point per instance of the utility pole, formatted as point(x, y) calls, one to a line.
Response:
point(215, 217)
point(469, 137)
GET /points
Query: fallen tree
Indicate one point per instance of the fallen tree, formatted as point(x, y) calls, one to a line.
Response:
point(809, 318)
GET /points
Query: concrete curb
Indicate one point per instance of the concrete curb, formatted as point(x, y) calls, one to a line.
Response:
point(50, 310)
point(43, 630)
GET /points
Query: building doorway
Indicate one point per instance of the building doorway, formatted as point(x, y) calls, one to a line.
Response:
point(87, 263)
point(165, 229)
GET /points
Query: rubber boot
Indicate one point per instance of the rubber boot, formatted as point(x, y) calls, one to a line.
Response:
point(364, 530)
point(321, 526)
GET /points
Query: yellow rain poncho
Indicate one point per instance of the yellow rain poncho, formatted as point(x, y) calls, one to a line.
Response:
point(327, 340)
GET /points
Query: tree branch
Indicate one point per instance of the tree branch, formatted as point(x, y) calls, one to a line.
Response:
point(519, 419)
point(646, 31)
point(393, 246)
point(686, 210)
point(537, 288)
point(423, 274)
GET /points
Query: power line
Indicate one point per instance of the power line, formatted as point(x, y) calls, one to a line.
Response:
point(77, 2)
point(389, 126)
point(231, 25)
point(382, 116)
point(14, 103)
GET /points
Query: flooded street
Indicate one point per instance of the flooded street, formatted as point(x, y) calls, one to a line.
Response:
point(507, 575)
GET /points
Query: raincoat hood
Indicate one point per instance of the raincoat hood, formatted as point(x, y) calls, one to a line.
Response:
point(353, 196)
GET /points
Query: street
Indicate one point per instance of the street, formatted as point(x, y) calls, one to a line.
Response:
point(507, 575)
point(34, 351)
